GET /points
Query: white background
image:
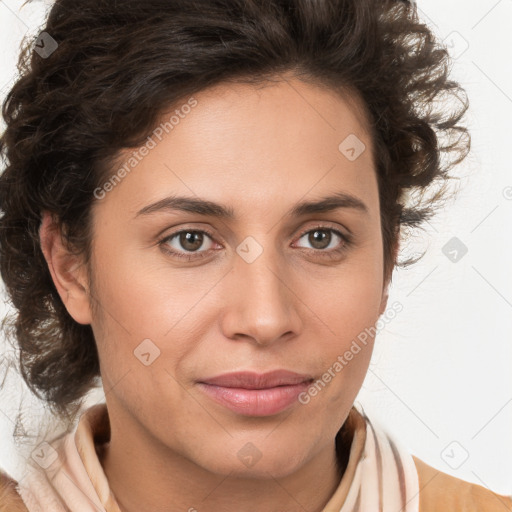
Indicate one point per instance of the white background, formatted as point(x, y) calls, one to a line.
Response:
point(441, 376)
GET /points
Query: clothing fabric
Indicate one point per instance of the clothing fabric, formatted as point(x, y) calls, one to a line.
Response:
point(380, 476)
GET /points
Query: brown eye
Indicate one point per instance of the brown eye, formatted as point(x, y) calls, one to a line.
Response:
point(321, 238)
point(188, 242)
point(191, 240)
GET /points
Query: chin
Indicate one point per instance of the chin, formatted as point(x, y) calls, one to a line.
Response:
point(247, 461)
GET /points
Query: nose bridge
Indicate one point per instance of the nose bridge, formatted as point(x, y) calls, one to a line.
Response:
point(261, 273)
point(262, 305)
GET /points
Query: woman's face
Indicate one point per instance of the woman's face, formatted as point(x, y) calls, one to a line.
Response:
point(264, 289)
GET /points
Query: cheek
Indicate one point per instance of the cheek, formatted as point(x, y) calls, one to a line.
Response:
point(145, 295)
point(147, 314)
point(346, 300)
point(345, 310)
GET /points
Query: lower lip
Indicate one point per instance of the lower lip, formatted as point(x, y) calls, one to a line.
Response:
point(255, 402)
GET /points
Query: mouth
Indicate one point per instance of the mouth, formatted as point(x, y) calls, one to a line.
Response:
point(254, 394)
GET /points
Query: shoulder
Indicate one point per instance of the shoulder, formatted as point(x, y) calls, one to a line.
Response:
point(10, 500)
point(440, 491)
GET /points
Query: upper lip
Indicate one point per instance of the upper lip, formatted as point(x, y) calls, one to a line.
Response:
point(254, 380)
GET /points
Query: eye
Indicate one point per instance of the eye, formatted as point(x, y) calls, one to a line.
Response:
point(188, 241)
point(325, 239)
point(194, 244)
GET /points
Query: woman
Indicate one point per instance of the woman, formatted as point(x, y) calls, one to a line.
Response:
point(202, 205)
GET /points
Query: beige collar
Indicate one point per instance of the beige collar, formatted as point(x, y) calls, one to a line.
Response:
point(380, 475)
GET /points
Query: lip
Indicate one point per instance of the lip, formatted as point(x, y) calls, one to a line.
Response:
point(256, 394)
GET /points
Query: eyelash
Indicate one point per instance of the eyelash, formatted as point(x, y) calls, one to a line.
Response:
point(332, 253)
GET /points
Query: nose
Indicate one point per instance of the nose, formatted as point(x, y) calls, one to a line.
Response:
point(261, 305)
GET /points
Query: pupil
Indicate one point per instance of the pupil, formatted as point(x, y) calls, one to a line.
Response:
point(319, 236)
point(191, 240)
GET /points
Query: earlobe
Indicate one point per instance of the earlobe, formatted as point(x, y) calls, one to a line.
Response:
point(384, 302)
point(67, 270)
point(385, 291)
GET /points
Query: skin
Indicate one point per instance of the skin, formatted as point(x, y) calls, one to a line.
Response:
point(258, 150)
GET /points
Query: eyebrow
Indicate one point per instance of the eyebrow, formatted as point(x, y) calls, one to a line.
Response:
point(210, 208)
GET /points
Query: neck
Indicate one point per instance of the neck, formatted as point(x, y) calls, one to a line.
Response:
point(144, 475)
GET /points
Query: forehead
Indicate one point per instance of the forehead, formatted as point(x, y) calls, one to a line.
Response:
point(255, 145)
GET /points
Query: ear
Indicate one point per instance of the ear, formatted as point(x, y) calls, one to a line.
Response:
point(385, 289)
point(69, 273)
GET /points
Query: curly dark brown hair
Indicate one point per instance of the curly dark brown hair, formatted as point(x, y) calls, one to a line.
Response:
point(120, 64)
